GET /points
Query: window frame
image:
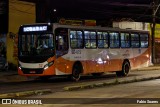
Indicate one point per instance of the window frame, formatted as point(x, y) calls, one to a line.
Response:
point(90, 39)
point(76, 39)
point(117, 40)
point(125, 39)
point(144, 40)
point(104, 39)
point(135, 40)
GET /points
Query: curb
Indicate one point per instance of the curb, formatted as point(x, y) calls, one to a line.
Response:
point(146, 69)
point(114, 82)
point(26, 93)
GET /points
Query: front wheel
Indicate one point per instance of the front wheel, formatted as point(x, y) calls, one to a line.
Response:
point(125, 69)
point(77, 69)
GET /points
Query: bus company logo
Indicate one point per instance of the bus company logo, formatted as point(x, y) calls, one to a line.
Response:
point(76, 51)
point(6, 101)
point(73, 51)
point(41, 65)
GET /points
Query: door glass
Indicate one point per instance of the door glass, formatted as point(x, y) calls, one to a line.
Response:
point(61, 41)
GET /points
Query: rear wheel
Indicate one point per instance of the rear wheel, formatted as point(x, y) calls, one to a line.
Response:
point(125, 69)
point(77, 69)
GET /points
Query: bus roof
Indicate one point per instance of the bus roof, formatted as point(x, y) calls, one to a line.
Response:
point(57, 25)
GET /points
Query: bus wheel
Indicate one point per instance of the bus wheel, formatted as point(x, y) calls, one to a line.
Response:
point(125, 69)
point(77, 69)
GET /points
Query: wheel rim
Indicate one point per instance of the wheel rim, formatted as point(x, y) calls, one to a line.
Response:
point(126, 69)
point(76, 73)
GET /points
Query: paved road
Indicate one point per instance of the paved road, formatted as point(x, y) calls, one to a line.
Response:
point(57, 84)
point(131, 95)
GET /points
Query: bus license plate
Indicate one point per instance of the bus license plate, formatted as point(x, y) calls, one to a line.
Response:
point(32, 72)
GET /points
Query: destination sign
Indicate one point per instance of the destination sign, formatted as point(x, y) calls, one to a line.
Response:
point(34, 28)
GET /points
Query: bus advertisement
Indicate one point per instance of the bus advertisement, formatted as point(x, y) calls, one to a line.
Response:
point(52, 49)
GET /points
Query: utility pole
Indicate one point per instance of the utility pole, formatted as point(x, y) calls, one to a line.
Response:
point(153, 31)
point(154, 9)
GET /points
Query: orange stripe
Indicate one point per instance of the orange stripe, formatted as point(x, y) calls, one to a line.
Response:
point(90, 66)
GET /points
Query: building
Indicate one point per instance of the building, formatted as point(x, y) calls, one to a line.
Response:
point(20, 12)
point(31, 11)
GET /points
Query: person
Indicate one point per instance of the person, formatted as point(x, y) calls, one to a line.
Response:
point(60, 43)
point(42, 45)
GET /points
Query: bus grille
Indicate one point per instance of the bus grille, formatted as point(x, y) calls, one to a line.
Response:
point(32, 71)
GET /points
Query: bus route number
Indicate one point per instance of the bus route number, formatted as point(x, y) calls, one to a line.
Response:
point(76, 51)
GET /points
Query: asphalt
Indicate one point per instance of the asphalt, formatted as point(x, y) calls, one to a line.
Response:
point(141, 74)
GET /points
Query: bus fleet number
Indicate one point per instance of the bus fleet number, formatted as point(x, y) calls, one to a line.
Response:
point(75, 51)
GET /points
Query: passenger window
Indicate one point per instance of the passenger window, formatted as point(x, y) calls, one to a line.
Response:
point(125, 40)
point(102, 39)
point(90, 39)
point(76, 39)
point(135, 40)
point(114, 40)
point(144, 40)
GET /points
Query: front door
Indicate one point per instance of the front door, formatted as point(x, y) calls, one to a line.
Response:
point(61, 40)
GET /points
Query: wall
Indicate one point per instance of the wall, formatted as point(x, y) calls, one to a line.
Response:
point(19, 13)
point(131, 25)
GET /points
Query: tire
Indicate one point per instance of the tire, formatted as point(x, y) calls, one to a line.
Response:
point(125, 69)
point(76, 71)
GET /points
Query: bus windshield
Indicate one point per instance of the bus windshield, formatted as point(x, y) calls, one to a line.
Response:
point(37, 45)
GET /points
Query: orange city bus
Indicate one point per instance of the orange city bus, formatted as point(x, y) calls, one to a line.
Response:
point(52, 49)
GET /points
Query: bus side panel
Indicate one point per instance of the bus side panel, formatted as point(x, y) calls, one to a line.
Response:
point(49, 71)
point(143, 60)
point(115, 65)
point(94, 60)
point(84, 64)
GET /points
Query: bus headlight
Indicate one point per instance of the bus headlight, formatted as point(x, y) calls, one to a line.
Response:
point(48, 65)
point(19, 65)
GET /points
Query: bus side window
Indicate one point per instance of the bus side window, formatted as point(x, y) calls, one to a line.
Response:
point(102, 39)
point(90, 39)
point(125, 40)
point(144, 40)
point(114, 40)
point(135, 40)
point(76, 39)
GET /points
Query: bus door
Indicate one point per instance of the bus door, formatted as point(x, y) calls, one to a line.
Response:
point(61, 40)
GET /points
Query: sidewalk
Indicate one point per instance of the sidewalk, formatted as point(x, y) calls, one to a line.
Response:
point(152, 67)
point(11, 76)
